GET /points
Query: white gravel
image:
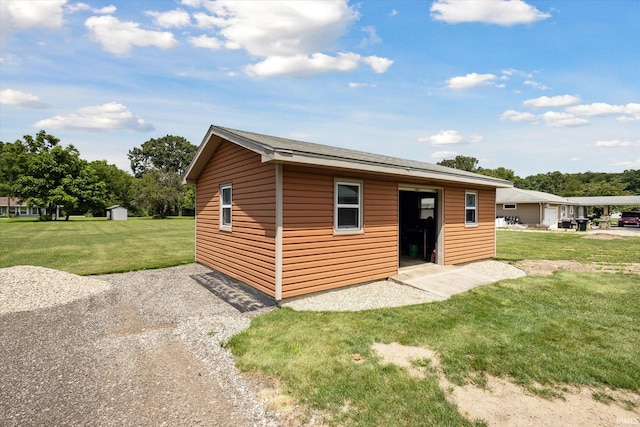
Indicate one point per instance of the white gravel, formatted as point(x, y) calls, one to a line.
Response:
point(27, 287)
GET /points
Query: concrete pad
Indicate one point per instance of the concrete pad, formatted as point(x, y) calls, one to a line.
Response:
point(445, 281)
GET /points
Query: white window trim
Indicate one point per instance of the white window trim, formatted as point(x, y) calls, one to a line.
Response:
point(223, 226)
point(475, 208)
point(360, 228)
point(504, 206)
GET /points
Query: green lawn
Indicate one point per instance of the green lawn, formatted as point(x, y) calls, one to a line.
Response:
point(97, 246)
point(542, 332)
point(571, 245)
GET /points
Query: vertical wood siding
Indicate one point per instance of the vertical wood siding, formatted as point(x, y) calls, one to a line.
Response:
point(246, 253)
point(468, 243)
point(314, 258)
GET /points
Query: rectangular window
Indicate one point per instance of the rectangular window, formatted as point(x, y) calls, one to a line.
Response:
point(348, 206)
point(225, 207)
point(508, 207)
point(471, 208)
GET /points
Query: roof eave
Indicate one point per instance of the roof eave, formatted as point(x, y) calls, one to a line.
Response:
point(292, 157)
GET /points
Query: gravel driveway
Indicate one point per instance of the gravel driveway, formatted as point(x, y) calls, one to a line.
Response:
point(141, 353)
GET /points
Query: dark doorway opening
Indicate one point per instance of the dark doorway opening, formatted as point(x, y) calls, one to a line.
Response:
point(418, 231)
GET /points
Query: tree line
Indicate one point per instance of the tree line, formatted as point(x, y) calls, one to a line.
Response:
point(47, 176)
point(583, 184)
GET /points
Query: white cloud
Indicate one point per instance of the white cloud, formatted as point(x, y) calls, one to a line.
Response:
point(443, 137)
point(171, 19)
point(97, 118)
point(631, 110)
point(617, 143)
point(378, 64)
point(470, 81)
point(205, 42)
point(119, 37)
point(17, 98)
point(596, 109)
point(630, 164)
point(444, 155)
point(517, 116)
point(553, 101)
point(372, 36)
point(354, 85)
point(393, 12)
point(475, 138)
point(77, 7)
point(289, 37)
point(302, 65)
point(556, 119)
point(18, 15)
point(536, 85)
point(500, 12)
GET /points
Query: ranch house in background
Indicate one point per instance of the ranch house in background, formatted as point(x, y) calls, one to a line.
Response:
point(16, 208)
point(534, 207)
point(290, 218)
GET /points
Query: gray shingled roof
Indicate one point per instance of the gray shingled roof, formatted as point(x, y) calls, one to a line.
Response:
point(607, 200)
point(276, 148)
point(518, 195)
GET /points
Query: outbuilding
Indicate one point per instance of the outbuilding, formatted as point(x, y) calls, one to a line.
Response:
point(117, 213)
point(290, 217)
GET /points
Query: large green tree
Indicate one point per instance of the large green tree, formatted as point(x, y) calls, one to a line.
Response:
point(119, 184)
point(169, 154)
point(57, 176)
point(164, 160)
point(465, 163)
point(158, 192)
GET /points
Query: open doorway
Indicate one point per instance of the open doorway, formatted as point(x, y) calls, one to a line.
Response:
point(418, 215)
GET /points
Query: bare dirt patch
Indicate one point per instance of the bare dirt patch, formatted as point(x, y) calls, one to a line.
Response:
point(504, 403)
point(545, 267)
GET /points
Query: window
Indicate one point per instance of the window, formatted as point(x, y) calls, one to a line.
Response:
point(508, 207)
point(225, 207)
point(348, 209)
point(471, 208)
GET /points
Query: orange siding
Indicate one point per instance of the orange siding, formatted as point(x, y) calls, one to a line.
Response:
point(246, 253)
point(468, 243)
point(314, 258)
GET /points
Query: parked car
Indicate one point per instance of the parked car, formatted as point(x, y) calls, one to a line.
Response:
point(629, 218)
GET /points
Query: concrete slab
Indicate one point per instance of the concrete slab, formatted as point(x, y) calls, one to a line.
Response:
point(444, 281)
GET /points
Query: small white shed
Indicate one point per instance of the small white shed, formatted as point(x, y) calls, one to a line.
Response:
point(116, 213)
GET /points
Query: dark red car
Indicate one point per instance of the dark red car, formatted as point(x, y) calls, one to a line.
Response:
point(629, 218)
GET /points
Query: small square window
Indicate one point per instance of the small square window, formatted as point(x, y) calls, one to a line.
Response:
point(225, 207)
point(471, 208)
point(348, 206)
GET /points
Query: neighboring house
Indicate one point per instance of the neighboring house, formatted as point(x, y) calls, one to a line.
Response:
point(16, 208)
point(534, 207)
point(117, 213)
point(291, 218)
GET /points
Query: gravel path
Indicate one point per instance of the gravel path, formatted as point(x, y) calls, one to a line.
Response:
point(129, 349)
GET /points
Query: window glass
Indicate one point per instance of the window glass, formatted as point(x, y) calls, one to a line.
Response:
point(348, 194)
point(471, 208)
point(225, 206)
point(348, 209)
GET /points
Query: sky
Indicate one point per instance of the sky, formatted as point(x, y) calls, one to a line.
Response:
point(532, 86)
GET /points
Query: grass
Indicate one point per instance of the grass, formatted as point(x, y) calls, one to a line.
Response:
point(569, 328)
point(543, 332)
point(517, 245)
point(97, 246)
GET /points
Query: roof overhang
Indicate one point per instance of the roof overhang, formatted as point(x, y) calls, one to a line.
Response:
point(215, 135)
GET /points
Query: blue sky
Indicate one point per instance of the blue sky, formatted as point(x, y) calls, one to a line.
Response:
point(533, 86)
